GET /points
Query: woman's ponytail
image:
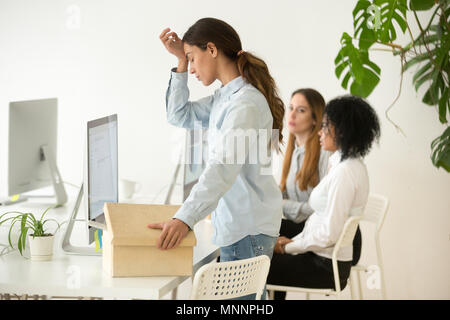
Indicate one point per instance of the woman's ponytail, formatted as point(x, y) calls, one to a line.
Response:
point(255, 71)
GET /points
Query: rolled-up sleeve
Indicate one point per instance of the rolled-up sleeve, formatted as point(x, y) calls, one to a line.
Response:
point(179, 110)
point(221, 169)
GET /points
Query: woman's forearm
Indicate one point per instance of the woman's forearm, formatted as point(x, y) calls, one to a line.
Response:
point(182, 65)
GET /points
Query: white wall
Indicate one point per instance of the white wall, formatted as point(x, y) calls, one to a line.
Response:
point(115, 63)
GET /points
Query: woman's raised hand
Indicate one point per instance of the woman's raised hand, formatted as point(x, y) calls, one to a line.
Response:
point(173, 43)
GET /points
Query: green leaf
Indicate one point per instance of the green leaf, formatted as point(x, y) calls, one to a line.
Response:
point(22, 239)
point(33, 219)
point(15, 220)
point(339, 69)
point(427, 39)
point(422, 70)
point(42, 217)
point(346, 80)
point(443, 103)
point(19, 243)
point(39, 231)
point(362, 15)
point(23, 222)
point(6, 220)
point(376, 21)
point(391, 11)
point(356, 66)
point(419, 58)
point(431, 96)
point(23, 233)
point(441, 151)
point(421, 5)
point(6, 213)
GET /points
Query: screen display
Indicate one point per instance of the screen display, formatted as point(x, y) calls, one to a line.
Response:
point(102, 164)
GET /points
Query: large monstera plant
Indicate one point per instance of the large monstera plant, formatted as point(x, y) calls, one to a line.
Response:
point(376, 25)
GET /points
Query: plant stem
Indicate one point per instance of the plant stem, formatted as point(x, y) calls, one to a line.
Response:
point(410, 34)
point(402, 58)
point(380, 49)
point(422, 34)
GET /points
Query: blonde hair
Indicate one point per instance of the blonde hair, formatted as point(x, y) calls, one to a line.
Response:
point(308, 175)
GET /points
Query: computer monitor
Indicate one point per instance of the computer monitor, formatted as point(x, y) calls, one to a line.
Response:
point(32, 148)
point(101, 172)
point(100, 182)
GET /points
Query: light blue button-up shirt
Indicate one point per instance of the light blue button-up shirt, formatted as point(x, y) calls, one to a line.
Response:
point(242, 196)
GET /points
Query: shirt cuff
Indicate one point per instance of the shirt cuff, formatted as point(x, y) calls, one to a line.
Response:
point(183, 215)
point(294, 247)
point(180, 76)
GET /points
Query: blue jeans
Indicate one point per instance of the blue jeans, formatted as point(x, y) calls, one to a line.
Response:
point(249, 247)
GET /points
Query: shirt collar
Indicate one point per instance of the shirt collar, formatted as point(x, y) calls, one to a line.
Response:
point(299, 149)
point(231, 87)
point(335, 158)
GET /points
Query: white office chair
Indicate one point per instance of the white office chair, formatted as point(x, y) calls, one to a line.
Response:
point(232, 279)
point(345, 239)
point(374, 212)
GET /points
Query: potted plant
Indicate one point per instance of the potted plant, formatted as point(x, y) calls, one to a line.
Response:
point(41, 241)
point(376, 24)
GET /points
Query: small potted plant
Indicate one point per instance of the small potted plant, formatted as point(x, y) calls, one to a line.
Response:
point(41, 241)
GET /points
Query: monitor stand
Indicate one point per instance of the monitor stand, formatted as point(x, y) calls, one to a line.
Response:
point(58, 184)
point(66, 245)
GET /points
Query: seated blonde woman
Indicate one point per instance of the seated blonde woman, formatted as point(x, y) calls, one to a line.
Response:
point(305, 163)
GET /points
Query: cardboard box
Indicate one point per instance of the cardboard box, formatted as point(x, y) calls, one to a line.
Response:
point(129, 247)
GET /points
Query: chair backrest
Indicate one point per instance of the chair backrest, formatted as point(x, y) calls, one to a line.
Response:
point(345, 239)
point(375, 210)
point(348, 232)
point(232, 279)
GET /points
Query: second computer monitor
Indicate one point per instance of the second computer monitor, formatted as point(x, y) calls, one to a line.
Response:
point(32, 147)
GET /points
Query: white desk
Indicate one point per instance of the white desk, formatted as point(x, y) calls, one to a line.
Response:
point(71, 275)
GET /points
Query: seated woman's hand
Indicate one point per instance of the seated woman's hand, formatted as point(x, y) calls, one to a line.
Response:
point(281, 243)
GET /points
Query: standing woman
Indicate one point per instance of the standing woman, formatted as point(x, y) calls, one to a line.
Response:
point(245, 203)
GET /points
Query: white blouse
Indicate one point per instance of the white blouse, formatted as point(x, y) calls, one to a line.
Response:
point(343, 192)
point(295, 204)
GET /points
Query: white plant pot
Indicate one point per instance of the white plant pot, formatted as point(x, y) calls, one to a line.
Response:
point(41, 248)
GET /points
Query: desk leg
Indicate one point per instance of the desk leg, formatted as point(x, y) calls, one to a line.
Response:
point(174, 294)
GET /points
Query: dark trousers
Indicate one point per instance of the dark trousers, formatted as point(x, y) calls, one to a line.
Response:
point(308, 269)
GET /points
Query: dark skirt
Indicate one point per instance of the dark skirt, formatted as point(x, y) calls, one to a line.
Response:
point(308, 269)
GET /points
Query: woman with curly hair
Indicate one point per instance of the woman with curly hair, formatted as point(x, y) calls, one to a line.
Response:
point(349, 127)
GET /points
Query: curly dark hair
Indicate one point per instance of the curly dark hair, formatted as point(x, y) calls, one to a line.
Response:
point(355, 124)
